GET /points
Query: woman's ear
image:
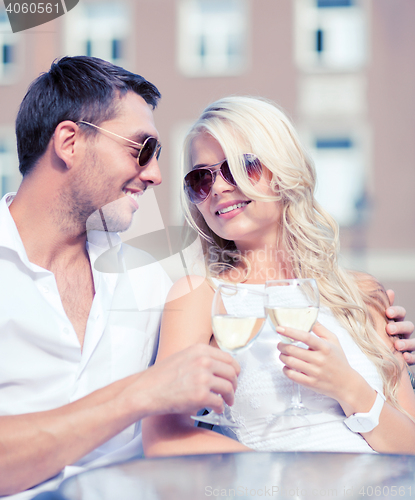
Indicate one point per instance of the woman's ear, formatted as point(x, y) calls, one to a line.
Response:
point(64, 140)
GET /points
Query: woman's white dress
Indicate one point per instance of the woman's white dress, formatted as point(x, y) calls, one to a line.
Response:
point(263, 391)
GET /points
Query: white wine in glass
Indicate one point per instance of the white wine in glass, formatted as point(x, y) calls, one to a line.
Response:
point(234, 332)
point(293, 303)
point(301, 318)
point(238, 315)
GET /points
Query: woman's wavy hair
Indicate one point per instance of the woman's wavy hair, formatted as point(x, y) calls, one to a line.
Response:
point(307, 232)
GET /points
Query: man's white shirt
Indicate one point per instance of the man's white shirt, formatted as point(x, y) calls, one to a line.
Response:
point(41, 363)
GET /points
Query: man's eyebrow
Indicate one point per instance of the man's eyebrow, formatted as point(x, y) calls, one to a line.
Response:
point(140, 137)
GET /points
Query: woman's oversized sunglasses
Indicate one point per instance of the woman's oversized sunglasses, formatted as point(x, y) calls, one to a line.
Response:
point(146, 151)
point(199, 181)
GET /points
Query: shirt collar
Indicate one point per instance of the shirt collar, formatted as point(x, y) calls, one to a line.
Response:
point(100, 241)
point(9, 235)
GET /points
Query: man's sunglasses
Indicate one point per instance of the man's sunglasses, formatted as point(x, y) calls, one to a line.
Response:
point(150, 147)
point(198, 182)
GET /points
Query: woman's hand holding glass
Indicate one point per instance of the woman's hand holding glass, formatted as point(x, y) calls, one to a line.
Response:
point(293, 303)
point(323, 367)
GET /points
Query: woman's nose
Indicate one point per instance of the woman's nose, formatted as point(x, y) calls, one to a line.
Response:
point(220, 185)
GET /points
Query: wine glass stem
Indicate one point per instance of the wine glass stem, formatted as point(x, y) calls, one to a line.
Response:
point(296, 396)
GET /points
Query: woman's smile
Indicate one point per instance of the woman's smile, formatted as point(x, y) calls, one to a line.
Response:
point(231, 208)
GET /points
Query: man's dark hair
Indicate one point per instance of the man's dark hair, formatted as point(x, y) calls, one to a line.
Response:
point(75, 88)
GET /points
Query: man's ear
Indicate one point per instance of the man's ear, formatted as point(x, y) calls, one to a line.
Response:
point(65, 139)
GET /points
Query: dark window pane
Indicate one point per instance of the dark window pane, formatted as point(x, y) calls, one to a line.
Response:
point(334, 3)
point(7, 54)
point(116, 49)
point(319, 41)
point(334, 143)
point(88, 48)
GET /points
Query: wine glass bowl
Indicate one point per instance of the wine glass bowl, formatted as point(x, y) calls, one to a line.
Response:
point(238, 315)
point(293, 303)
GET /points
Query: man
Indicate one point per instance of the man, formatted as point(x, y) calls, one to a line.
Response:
point(74, 343)
point(71, 372)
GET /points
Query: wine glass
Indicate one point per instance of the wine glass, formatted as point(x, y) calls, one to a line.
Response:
point(238, 314)
point(293, 303)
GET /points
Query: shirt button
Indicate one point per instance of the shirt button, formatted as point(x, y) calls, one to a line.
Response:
point(66, 330)
point(46, 289)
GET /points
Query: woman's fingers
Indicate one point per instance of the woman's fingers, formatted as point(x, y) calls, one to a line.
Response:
point(297, 335)
point(313, 339)
point(322, 367)
point(322, 332)
point(315, 363)
point(291, 350)
point(308, 362)
point(297, 376)
point(295, 363)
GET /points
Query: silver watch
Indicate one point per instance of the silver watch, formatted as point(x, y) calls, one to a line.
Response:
point(366, 422)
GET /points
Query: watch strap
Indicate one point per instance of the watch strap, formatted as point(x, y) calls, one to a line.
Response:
point(366, 422)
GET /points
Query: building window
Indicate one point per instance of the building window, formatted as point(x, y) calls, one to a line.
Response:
point(98, 30)
point(8, 50)
point(334, 3)
point(341, 177)
point(212, 37)
point(330, 35)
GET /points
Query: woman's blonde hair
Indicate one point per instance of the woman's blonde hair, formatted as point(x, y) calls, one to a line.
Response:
point(307, 232)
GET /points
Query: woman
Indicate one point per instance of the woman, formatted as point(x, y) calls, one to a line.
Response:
point(249, 188)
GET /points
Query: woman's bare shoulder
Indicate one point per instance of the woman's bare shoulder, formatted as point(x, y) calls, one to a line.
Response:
point(377, 301)
point(186, 316)
point(371, 289)
point(190, 287)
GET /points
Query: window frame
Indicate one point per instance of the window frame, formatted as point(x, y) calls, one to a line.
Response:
point(189, 62)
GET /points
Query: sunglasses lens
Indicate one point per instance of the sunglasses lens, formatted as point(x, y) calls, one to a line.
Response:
point(227, 174)
point(147, 151)
point(198, 184)
point(253, 168)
